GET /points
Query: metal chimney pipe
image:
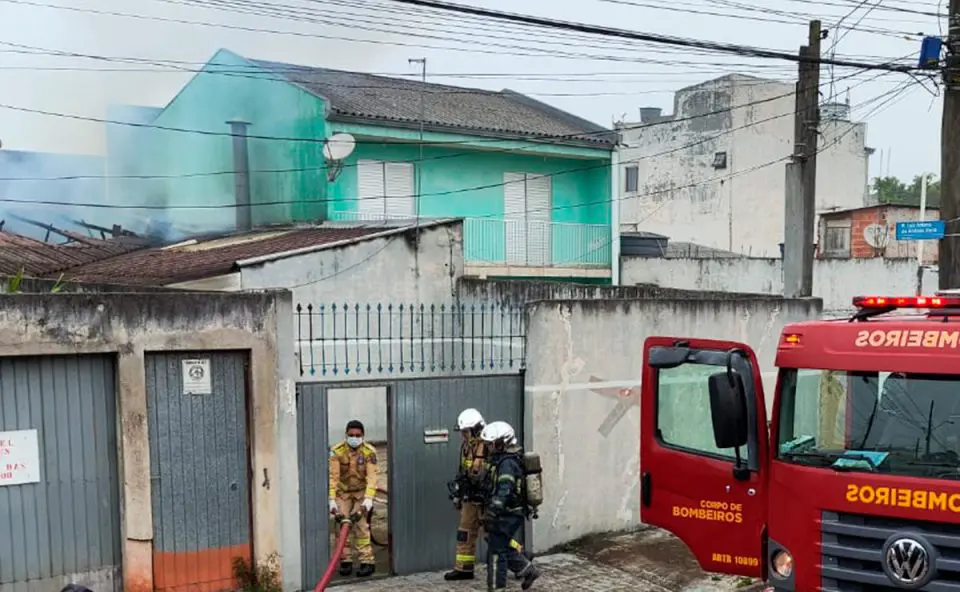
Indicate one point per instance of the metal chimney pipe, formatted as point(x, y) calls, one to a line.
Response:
point(241, 174)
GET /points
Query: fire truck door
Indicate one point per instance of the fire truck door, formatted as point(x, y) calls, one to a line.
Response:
point(689, 486)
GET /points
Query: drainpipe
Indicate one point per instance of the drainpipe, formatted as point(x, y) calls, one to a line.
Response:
point(241, 173)
point(615, 216)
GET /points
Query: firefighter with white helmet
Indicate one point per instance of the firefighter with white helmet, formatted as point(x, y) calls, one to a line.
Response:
point(466, 491)
point(506, 507)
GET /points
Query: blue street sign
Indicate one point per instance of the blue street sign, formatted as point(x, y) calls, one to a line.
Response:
point(917, 230)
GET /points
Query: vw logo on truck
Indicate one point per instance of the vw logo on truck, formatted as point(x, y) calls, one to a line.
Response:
point(907, 562)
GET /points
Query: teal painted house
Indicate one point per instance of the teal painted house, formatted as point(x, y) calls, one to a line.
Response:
point(532, 182)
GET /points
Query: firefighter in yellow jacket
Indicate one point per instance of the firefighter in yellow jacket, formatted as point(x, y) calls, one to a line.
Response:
point(468, 498)
point(353, 485)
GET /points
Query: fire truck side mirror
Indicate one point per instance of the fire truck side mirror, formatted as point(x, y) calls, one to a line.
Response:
point(728, 410)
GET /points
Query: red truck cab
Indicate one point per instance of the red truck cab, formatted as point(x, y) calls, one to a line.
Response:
point(855, 483)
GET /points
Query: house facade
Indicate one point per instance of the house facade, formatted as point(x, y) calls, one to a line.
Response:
point(532, 183)
point(713, 171)
point(871, 232)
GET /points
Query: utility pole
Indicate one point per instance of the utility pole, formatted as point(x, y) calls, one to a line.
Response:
point(923, 217)
point(800, 197)
point(950, 156)
point(423, 89)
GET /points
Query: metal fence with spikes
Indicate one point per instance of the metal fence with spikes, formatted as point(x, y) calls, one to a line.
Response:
point(353, 340)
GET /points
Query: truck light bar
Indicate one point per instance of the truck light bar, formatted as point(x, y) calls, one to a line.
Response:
point(888, 302)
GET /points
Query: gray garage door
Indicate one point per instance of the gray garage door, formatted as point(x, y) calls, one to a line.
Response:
point(200, 465)
point(59, 494)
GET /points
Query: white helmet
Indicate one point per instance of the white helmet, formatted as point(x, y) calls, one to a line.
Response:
point(469, 418)
point(499, 431)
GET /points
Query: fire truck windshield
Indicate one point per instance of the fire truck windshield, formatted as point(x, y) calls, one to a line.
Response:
point(893, 423)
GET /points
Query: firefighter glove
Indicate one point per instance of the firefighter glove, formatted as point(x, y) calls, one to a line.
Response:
point(334, 510)
point(367, 504)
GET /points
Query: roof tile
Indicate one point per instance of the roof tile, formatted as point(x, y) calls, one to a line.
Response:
point(37, 258)
point(211, 257)
point(368, 96)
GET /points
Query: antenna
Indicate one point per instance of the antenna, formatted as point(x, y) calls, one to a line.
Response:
point(876, 236)
point(336, 148)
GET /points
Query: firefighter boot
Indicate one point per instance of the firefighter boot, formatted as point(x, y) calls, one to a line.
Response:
point(457, 575)
point(530, 577)
point(346, 568)
point(366, 570)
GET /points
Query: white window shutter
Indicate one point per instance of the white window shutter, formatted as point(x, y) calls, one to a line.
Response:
point(400, 202)
point(539, 235)
point(515, 219)
point(371, 204)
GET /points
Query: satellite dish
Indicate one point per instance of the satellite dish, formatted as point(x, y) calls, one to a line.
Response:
point(876, 236)
point(338, 146)
point(335, 149)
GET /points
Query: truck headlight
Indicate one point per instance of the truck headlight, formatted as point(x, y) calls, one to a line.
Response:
point(782, 564)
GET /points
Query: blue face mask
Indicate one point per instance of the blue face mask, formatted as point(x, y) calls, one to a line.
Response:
point(353, 442)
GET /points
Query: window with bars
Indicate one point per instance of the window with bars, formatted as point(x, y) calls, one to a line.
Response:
point(836, 238)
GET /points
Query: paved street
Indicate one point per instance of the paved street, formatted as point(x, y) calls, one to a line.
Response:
point(648, 561)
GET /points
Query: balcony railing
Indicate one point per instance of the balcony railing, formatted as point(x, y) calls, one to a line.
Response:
point(530, 243)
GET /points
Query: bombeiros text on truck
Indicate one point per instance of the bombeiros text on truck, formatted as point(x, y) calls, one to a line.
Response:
point(854, 485)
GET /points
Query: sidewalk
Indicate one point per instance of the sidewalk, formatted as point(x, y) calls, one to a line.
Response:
point(645, 561)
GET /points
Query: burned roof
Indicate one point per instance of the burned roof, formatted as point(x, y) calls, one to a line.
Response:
point(397, 102)
point(197, 259)
point(37, 258)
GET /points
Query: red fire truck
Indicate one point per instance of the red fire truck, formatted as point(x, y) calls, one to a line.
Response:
point(854, 485)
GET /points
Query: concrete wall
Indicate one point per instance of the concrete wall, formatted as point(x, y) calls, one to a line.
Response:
point(392, 270)
point(739, 208)
point(128, 325)
point(836, 281)
point(583, 355)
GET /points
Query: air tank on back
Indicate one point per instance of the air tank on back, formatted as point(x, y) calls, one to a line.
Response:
point(533, 480)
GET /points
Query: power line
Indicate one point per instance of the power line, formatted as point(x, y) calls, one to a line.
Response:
point(440, 157)
point(431, 194)
point(656, 39)
point(741, 50)
point(888, 100)
point(791, 20)
point(251, 70)
point(897, 9)
point(616, 199)
point(519, 136)
point(406, 33)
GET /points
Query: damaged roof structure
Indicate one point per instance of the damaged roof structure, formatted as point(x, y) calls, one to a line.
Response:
point(37, 258)
point(219, 255)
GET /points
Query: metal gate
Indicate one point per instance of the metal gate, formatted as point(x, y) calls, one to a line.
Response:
point(422, 521)
point(314, 478)
point(423, 524)
point(59, 492)
point(200, 468)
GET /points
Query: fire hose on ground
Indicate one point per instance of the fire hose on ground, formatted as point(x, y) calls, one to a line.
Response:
point(342, 537)
point(337, 552)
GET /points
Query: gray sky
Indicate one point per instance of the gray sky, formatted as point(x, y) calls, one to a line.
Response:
point(600, 79)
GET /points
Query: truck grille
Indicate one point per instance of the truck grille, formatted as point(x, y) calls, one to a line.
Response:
point(852, 545)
